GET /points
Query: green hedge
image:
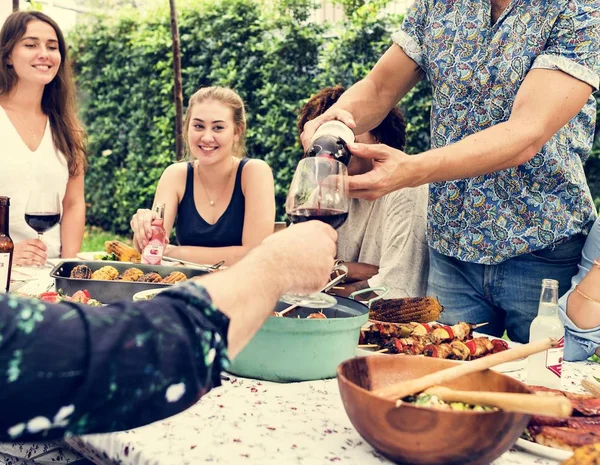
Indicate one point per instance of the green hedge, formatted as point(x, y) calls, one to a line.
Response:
point(272, 57)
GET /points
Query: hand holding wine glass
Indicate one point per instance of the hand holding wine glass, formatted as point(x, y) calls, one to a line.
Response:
point(42, 212)
point(319, 191)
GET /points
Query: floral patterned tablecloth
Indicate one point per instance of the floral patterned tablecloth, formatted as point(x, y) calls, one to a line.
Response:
point(262, 423)
point(256, 422)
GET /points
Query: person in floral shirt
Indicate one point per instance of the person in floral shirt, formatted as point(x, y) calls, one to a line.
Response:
point(72, 369)
point(512, 123)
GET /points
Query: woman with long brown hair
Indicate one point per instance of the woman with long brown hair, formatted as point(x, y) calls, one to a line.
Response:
point(43, 142)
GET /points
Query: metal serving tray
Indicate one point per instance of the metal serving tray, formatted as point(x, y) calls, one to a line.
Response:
point(112, 291)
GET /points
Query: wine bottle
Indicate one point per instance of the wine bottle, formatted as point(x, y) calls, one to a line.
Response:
point(545, 368)
point(153, 252)
point(7, 246)
point(330, 140)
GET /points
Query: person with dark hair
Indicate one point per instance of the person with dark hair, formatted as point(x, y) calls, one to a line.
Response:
point(43, 140)
point(383, 241)
point(221, 203)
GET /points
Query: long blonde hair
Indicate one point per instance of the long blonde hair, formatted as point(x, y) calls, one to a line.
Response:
point(58, 99)
point(227, 97)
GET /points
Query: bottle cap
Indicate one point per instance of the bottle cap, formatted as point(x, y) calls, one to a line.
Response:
point(334, 128)
point(550, 283)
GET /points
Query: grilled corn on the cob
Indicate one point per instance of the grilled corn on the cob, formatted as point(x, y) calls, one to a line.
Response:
point(123, 252)
point(410, 309)
point(174, 277)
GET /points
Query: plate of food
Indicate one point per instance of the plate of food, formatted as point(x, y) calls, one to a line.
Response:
point(557, 438)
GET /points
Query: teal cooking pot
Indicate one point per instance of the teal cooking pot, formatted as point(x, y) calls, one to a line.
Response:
point(299, 349)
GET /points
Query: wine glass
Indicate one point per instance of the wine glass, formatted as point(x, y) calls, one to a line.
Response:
point(42, 212)
point(319, 191)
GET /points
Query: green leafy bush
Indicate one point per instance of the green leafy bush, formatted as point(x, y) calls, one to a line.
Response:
point(271, 56)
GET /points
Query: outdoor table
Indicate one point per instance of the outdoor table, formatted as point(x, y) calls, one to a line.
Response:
point(248, 421)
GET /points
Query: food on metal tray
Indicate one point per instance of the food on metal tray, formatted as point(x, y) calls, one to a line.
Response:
point(432, 401)
point(405, 310)
point(106, 273)
point(581, 429)
point(131, 274)
point(316, 316)
point(123, 252)
point(151, 277)
point(380, 333)
point(81, 272)
point(585, 455)
point(174, 277)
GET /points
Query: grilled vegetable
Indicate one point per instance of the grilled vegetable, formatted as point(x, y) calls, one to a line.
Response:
point(151, 277)
point(123, 252)
point(174, 277)
point(132, 274)
point(81, 272)
point(106, 273)
point(410, 309)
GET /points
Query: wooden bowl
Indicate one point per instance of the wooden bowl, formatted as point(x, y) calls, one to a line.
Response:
point(423, 436)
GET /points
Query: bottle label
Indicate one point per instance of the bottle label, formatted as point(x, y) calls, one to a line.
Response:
point(335, 128)
point(554, 358)
point(4, 269)
point(153, 254)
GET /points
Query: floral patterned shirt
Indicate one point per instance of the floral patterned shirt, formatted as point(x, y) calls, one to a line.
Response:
point(475, 69)
point(72, 369)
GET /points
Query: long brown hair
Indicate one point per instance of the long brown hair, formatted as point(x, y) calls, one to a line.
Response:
point(391, 131)
point(227, 97)
point(59, 98)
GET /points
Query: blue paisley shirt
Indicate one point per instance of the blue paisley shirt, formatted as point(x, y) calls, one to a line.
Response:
point(72, 369)
point(475, 69)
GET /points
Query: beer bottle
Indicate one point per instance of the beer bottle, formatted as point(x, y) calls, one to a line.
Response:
point(6, 246)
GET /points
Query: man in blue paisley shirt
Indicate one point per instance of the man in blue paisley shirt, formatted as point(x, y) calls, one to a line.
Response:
point(512, 123)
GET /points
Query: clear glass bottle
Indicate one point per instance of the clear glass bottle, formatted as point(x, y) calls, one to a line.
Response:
point(330, 140)
point(7, 246)
point(545, 368)
point(153, 252)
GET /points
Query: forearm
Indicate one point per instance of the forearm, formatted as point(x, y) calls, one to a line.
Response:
point(71, 229)
point(585, 312)
point(207, 255)
point(247, 294)
point(360, 271)
point(497, 148)
point(113, 368)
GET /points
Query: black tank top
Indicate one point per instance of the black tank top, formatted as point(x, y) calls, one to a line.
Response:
point(192, 229)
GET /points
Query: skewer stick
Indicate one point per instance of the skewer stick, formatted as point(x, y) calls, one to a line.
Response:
point(367, 346)
point(413, 386)
point(479, 325)
point(382, 351)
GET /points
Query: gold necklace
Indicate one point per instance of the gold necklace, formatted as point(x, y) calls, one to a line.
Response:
point(211, 202)
point(35, 140)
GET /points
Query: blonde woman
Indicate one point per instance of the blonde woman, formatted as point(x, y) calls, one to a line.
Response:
point(221, 203)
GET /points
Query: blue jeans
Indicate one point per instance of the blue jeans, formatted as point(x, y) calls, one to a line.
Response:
point(506, 295)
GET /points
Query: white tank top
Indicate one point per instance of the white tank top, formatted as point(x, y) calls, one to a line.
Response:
point(20, 170)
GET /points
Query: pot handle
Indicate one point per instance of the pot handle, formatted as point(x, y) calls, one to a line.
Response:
point(383, 289)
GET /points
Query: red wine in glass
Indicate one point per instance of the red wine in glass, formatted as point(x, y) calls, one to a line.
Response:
point(334, 218)
point(41, 222)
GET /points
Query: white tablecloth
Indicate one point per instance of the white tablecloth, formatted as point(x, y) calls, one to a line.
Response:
point(261, 423)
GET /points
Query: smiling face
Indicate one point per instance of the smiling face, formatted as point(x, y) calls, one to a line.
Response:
point(212, 132)
point(35, 57)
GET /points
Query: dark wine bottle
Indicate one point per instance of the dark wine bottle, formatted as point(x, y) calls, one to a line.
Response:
point(330, 141)
point(6, 246)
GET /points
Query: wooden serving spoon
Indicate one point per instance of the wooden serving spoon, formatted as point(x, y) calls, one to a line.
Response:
point(556, 406)
point(413, 386)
